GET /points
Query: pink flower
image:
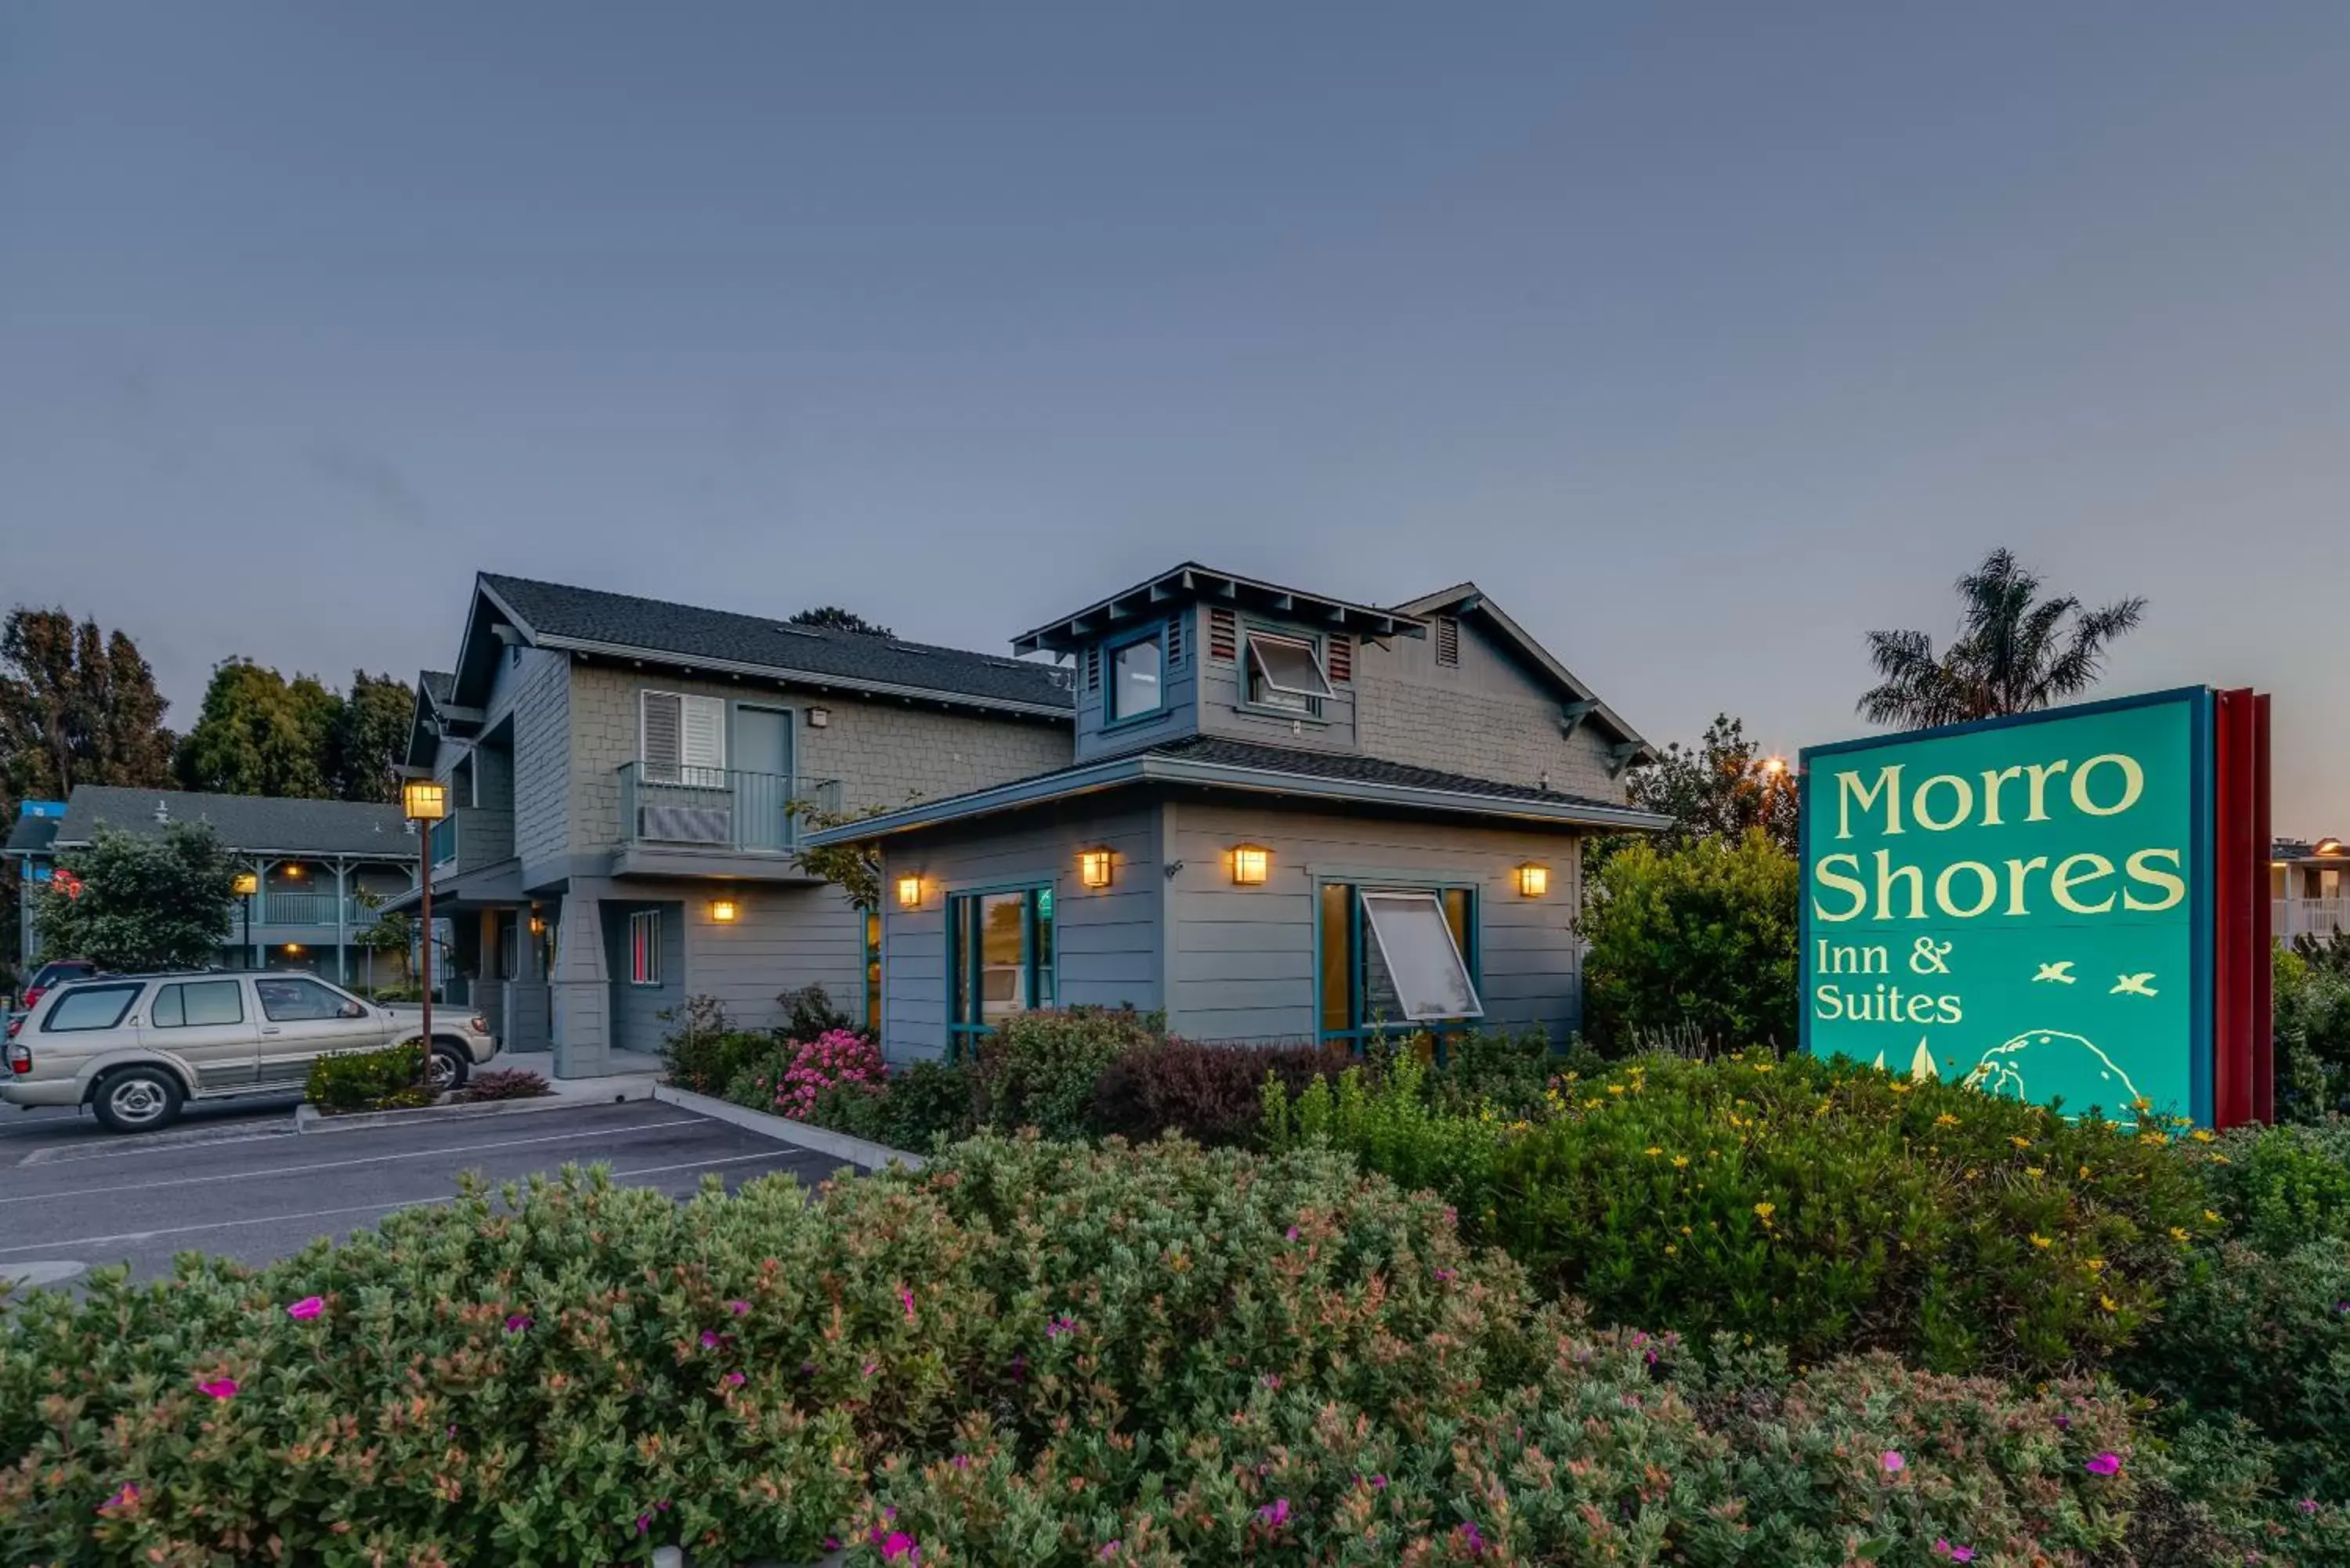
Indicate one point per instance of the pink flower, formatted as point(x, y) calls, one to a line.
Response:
point(1293, 1233)
point(125, 1496)
point(708, 1339)
point(307, 1307)
point(738, 1307)
point(1275, 1514)
point(871, 1367)
point(1470, 1539)
point(2306, 1505)
point(1444, 1276)
point(1378, 1483)
point(219, 1387)
point(908, 1297)
point(1109, 1550)
point(517, 1322)
point(1942, 1548)
point(1059, 1327)
point(733, 1380)
point(2105, 1464)
point(1894, 1463)
point(897, 1545)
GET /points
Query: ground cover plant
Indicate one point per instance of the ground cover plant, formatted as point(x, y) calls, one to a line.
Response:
point(390, 1079)
point(1031, 1353)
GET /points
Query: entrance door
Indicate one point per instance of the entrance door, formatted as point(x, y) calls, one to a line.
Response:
point(763, 778)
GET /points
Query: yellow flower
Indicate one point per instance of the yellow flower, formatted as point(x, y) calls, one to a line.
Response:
point(2222, 1159)
point(1671, 1251)
point(2085, 1173)
point(1679, 1160)
point(1763, 1066)
point(1652, 1151)
point(2095, 1265)
point(2039, 1240)
point(2019, 1142)
point(1687, 1232)
point(1900, 1088)
point(2212, 1215)
point(2109, 1303)
point(1615, 1089)
point(1946, 1120)
point(1592, 1104)
point(2178, 1235)
point(2202, 1136)
point(2141, 1104)
point(2033, 1171)
point(1764, 1211)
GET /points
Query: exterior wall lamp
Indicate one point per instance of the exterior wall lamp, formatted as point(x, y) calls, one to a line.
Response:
point(723, 911)
point(1534, 880)
point(1093, 867)
point(424, 800)
point(1251, 863)
point(910, 892)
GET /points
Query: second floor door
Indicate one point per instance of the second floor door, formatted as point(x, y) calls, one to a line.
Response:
point(763, 777)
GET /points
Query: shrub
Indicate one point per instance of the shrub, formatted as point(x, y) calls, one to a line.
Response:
point(1209, 1093)
point(914, 1107)
point(382, 1080)
point(1038, 1069)
point(2265, 1336)
point(704, 1051)
point(808, 1012)
point(2310, 987)
point(1507, 1069)
point(506, 1084)
point(2279, 1187)
point(836, 1060)
point(1831, 1208)
point(1703, 937)
point(1386, 1122)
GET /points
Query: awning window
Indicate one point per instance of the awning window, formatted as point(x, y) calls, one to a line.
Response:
point(1422, 960)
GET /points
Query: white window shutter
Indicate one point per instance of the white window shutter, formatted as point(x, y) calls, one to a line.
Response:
point(702, 738)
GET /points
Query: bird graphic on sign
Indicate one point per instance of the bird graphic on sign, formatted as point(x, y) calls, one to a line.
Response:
point(2134, 984)
point(2062, 973)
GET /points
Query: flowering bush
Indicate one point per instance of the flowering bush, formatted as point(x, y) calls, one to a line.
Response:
point(1209, 1092)
point(835, 1060)
point(915, 1107)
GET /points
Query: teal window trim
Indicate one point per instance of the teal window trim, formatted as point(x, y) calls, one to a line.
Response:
point(1311, 713)
point(1360, 1035)
point(965, 966)
point(1156, 631)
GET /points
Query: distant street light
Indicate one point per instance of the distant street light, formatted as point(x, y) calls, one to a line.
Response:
point(243, 887)
point(426, 802)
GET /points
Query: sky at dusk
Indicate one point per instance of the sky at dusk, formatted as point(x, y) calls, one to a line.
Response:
point(1705, 337)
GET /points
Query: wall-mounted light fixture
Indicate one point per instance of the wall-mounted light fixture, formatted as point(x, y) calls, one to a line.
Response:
point(293, 949)
point(537, 925)
point(1534, 880)
point(910, 892)
point(1252, 864)
point(818, 718)
point(724, 911)
point(292, 873)
point(1093, 867)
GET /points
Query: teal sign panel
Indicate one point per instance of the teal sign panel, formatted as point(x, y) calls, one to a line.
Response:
point(2023, 904)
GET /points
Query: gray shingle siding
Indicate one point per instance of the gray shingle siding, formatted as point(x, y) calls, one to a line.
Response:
point(1488, 717)
point(541, 706)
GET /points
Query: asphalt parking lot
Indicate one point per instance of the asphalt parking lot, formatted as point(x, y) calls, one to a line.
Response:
point(72, 1198)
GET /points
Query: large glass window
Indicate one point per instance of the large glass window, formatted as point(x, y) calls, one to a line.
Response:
point(1000, 958)
point(89, 1007)
point(1136, 678)
point(1285, 672)
point(197, 1004)
point(1396, 961)
point(644, 947)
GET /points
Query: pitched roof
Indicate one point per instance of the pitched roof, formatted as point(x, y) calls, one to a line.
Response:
point(31, 834)
point(439, 684)
point(1219, 763)
point(591, 620)
point(1468, 598)
point(1181, 584)
point(252, 823)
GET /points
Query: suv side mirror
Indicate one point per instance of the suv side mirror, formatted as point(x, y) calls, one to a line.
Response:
point(351, 1010)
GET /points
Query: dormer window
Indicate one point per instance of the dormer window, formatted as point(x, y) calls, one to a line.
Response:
point(1138, 682)
point(1285, 672)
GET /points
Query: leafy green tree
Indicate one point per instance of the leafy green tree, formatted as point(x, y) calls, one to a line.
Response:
point(135, 902)
point(259, 733)
point(1723, 787)
point(77, 706)
point(832, 617)
point(1693, 944)
point(367, 738)
point(2016, 652)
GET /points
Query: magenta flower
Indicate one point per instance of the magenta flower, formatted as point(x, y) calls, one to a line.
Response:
point(1444, 1276)
point(1271, 1380)
point(2105, 1464)
point(125, 1496)
point(644, 1523)
point(219, 1387)
point(1109, 1550)
point(871, 1367)
point(1942, 1548)
point(1894, 1463)
point(733, 1380)
point(2063, 1423)
point(738, 1307)
point(1059, 1327)
point(1275, 1514)
point(897, 1545)
point(517, 1322)
point(2306, 1505)
point(908, 1297)
point(307, 1307)
point(1293, 1233)
point(1470, 1539)
point(962, 1461)
point(1378, 1483)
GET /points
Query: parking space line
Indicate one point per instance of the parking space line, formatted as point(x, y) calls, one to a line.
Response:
point(341, 1164)
point(71, 1243)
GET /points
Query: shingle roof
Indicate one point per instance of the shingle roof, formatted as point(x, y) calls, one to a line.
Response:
point(439, 684)
point(567, 616)
point(254, 824)
point(31, 834)
point(1222, 752)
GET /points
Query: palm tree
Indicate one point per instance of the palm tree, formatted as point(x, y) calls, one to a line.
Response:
point(2016, 652)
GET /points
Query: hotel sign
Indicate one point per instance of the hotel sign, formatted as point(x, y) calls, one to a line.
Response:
point(2036, 906)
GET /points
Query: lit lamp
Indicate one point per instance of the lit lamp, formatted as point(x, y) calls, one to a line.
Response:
point(2327, 847)
point(1534, 880)
point(723, 911)
point(424, 800)
point(910, 892)
point(246, 885)
point(1774, 765)
point(1251, 865)
point(1093, 867)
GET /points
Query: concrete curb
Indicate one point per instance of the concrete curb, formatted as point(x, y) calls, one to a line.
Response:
point(863, 1153)
point(309, 1118)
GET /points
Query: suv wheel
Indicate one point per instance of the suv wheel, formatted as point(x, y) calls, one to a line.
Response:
point(137, 1099)
point(447, 1067)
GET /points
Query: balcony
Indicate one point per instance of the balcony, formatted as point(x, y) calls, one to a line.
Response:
point(2291, 917)
point(471, 837)
point(715, 821)
point(317, 910)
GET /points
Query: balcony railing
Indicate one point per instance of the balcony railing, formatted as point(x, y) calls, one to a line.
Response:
point(276, 909)
point(2291, 917)
point(720, 809)
point(445, 839)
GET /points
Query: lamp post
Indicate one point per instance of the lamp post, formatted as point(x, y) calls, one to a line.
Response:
point(243, 887)
point(425, 802)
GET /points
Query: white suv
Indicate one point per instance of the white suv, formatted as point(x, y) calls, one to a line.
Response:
point(136, 1048)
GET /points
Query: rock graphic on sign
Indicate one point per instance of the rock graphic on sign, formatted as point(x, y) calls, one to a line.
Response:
point(2050, 1057)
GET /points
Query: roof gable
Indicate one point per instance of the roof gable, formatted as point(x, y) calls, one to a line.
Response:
point(592, 621)
point(1191, 581)
point(1465, 599)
